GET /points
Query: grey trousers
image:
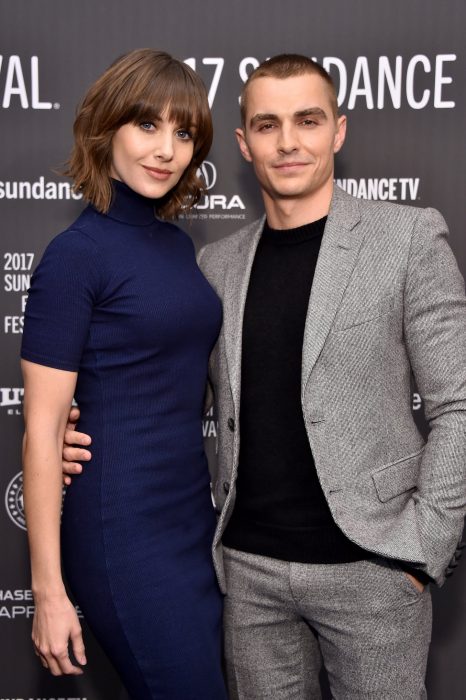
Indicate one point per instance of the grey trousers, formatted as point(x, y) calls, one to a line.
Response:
point(365, 620)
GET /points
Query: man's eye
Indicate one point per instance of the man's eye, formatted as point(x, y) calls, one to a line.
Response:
point(266, 127)
point(309, 122)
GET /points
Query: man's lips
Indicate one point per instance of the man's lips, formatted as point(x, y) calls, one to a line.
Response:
point(290, 165)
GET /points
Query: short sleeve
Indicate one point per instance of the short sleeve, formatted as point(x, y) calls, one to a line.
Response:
point(62, 294)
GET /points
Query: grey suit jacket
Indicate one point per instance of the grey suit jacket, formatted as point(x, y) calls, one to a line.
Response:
point(387, 303)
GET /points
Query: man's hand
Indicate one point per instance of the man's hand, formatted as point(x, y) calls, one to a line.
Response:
point(416, 583)
point(71, 453)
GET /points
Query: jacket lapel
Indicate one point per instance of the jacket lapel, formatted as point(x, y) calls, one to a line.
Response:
point(234, 300)
point(341, 243)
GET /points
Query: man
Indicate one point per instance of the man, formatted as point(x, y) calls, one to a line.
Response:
point(333, 514)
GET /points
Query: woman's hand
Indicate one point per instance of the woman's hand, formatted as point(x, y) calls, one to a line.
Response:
point(54, 627)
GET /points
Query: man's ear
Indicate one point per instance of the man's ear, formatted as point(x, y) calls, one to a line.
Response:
point(340, 134)
point(243, 146)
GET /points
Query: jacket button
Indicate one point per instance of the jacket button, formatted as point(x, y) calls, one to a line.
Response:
point(231, 424)
point(226, 486)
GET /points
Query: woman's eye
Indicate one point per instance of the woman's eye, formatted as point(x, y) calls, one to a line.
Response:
point(147, 126)
point(184, 134)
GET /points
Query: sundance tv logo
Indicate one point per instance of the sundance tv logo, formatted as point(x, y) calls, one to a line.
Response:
point(391, 189)
point(14, 501)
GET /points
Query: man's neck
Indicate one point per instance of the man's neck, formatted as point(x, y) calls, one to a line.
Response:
point(291, 213)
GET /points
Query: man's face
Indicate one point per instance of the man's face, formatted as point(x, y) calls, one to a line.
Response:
point(290, 136)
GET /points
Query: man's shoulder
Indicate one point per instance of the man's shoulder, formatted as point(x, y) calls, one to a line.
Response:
point(223, 249)
point(390, 213)
point(379, 219)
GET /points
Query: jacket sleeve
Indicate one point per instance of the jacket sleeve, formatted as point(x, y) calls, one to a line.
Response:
point(435, 335)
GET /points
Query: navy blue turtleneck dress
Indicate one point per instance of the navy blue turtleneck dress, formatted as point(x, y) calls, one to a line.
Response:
point(119, 299)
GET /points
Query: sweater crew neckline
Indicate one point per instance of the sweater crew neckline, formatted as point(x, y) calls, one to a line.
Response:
point(292, 236)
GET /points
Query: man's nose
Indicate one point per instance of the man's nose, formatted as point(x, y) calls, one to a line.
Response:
point(287, 141)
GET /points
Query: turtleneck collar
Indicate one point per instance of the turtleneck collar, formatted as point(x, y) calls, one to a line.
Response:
point(129, 207)
point(291, 236)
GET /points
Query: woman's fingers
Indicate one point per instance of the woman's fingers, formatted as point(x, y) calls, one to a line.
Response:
point(62, 660)
point(58, 661)
point(56, 630)
point(78, 646)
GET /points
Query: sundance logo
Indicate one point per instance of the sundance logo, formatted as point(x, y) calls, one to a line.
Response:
point(418, 81)
point(37, 189)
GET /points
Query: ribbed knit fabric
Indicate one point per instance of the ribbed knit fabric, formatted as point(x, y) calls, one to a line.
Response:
point(119, 298)
point(280, 509)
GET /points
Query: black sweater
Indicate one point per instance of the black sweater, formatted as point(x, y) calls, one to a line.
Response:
point(280, 509)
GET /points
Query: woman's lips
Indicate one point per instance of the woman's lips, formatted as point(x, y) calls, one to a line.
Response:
point(157, 173)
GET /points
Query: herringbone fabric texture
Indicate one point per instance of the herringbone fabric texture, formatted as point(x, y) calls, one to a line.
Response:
point(387, 304)
point(369, 622)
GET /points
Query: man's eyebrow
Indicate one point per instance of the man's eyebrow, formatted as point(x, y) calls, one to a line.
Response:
point(311, 112)
point(263, 118)
point(308, 112)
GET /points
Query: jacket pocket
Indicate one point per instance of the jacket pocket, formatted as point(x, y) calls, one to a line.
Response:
point(398, 477)
point(364, 313)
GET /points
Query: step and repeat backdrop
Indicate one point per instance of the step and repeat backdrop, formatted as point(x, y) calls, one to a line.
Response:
point(399, 71)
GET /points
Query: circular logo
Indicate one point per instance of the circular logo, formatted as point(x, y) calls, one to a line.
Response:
point(14, 501)
point(208, 172)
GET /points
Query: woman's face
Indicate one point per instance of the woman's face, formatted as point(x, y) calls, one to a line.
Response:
point(151, 157)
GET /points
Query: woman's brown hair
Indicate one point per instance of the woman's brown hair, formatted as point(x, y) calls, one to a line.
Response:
point(139, 86)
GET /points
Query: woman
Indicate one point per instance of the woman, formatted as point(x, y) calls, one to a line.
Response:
point(120, 316)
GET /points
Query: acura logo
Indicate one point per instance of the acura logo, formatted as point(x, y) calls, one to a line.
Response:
point(208, 172)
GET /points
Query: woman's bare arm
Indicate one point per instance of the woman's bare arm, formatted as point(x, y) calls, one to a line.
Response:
point(48, 394)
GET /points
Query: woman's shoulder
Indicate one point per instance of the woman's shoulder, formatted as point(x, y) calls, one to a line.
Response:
point(82, 236)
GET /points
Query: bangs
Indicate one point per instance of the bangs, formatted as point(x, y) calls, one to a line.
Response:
point(172, 94)
point(143, 85)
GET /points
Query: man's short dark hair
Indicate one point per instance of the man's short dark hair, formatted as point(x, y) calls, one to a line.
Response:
point(288, 65)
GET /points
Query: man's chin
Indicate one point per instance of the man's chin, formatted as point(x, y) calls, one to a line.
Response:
point(291, 193)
